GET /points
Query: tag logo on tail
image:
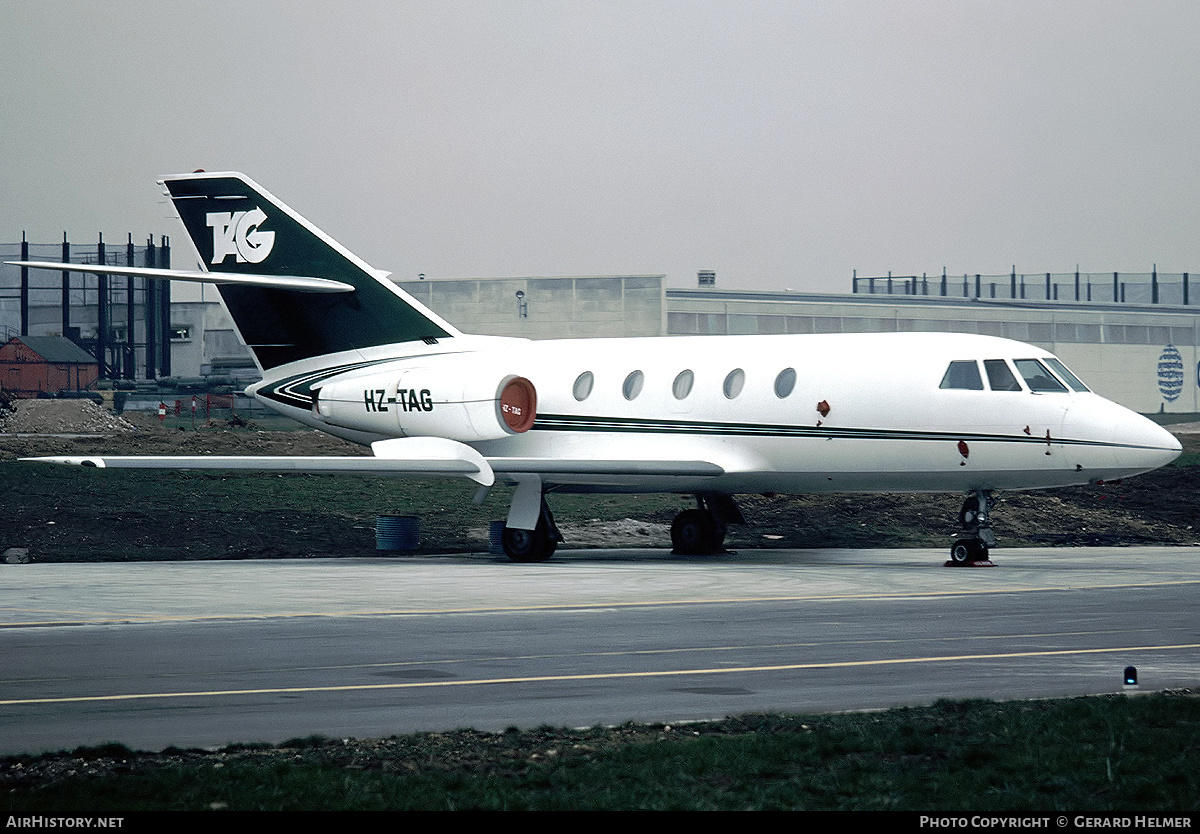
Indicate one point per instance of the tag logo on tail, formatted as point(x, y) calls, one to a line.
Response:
point(237, 233)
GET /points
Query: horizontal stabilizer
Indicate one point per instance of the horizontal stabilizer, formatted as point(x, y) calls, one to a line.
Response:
point(298, 283)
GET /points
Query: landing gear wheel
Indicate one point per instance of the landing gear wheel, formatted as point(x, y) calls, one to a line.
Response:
point(528, 545)
point(697, 533)
point(966, 551)
point(976, 535)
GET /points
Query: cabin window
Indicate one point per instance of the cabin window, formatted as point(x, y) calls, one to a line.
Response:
point(1037, 377)
point(1065, 375)
point(963, 375)
point(682, 386)
point(1000, 378)
point(633, 385)
point(583, 386)
point(734, 382)
point(785, 382)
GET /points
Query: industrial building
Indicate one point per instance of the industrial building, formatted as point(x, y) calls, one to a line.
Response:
point(1133, 337)
point(1140, 350)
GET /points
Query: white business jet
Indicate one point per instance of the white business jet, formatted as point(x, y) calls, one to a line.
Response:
point(342, 349)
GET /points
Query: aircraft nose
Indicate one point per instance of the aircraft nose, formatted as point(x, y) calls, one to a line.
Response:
point(1135, 443)
point(1142, 443)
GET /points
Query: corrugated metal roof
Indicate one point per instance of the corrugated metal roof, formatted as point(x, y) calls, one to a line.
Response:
point(56, 349)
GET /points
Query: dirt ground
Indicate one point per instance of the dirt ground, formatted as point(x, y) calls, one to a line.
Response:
point(63, 427)
point(76, 514)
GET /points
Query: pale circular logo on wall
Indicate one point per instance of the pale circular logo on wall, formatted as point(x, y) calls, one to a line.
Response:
point(1170, 373)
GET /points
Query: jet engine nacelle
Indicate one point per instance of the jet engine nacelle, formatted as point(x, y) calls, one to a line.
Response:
point(451, 399)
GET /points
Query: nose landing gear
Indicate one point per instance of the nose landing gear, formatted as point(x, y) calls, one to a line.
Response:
point(971, 545)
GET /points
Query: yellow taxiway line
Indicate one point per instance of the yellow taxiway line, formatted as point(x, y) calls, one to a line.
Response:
point(587, 677)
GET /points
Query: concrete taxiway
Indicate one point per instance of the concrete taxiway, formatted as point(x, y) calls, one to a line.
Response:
point(210, 653)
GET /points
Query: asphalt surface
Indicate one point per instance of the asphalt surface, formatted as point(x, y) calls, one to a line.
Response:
point(203, 654)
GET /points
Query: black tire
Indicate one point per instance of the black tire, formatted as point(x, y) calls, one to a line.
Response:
point(528, 545)
point(965, 551)
point(697, 533)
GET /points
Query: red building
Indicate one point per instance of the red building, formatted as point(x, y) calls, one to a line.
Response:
point(33, 364)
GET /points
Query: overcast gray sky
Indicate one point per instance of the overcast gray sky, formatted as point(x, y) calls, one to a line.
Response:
point(782, 144)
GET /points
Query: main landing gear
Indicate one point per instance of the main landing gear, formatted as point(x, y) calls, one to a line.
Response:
point(536, 545)
point(701, 532)
point(697, 532)
point(972, 544)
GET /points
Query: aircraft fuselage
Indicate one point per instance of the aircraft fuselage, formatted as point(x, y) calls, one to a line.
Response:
point(801, 413)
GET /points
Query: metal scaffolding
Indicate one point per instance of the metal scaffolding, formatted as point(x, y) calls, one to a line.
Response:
point(118, 320)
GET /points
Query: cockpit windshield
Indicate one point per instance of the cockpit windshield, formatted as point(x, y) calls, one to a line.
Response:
point(999, 375)
point(1045, 375)
point(1037, 377)
point(1065, 375)
point(962, 375)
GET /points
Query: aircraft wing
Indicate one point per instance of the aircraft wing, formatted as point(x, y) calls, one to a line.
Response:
point(301, 283)
point(398, 456)
point(404, 456)
point(271, 463)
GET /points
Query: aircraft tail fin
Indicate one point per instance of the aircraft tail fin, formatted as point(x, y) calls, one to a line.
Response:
point(237, 227)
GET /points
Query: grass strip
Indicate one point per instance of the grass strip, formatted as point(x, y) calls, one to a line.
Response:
point(1111, 754)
